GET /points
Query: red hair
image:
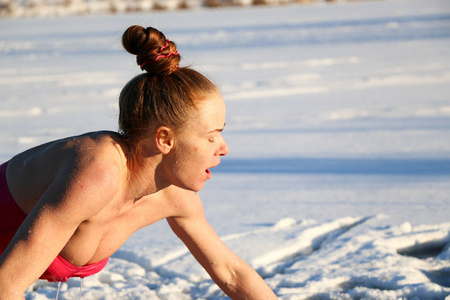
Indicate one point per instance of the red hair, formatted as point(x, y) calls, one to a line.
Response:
point(165, 94)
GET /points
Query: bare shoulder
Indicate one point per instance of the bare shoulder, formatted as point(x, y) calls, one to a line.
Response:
point(94, 161)
point(70, 151)
point(99, 152)
point(188, 219)
point(97, 155)
point(90, 165)
point(186, 204)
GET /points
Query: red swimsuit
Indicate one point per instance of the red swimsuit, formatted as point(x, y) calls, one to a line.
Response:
point(11, 217)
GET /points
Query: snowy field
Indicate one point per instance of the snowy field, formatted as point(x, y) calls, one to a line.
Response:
point(337, 185)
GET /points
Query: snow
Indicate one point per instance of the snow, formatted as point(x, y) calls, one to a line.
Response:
point(338, 120)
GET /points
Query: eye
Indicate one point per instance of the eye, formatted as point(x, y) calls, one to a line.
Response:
point(211, 140)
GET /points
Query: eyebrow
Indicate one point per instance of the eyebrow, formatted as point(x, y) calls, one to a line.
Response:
point(219, 129)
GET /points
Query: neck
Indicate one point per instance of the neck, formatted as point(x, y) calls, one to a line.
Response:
point(142, 172)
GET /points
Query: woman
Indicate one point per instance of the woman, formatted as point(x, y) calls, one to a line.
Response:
point(68, 205)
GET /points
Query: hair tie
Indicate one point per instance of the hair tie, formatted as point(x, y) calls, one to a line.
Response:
point(147, 34)
point(163, 47)
point(161, 55)
point(167, 55)
point(158, 57)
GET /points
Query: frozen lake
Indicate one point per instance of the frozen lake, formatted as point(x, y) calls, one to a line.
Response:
point(337, 184)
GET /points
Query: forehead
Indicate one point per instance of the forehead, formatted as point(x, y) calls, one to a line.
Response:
point(211, 111)
point(214, 104)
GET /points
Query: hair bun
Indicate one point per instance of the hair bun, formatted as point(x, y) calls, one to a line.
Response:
point(154, 53)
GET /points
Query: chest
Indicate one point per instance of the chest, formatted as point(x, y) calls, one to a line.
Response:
point(100, 237)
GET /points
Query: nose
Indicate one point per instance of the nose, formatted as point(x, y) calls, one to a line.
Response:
point(223, 148)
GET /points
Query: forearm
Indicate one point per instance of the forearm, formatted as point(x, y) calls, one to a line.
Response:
point(243, 282)
point(235, 277)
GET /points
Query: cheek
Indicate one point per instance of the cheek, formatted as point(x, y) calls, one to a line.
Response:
point(189, 159)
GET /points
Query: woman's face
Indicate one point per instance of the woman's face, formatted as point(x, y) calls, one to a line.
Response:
point(199, 145)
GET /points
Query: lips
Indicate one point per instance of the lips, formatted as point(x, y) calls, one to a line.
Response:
point(208, 171)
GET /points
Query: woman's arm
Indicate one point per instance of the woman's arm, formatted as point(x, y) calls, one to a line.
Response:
point(72, 198)
point(235, 277)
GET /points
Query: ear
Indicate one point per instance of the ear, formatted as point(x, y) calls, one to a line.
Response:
point(164, 139)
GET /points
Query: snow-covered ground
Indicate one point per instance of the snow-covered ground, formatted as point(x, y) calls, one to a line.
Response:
point(337, 185)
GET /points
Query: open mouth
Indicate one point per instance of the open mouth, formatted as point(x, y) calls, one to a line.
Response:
point(208, 173)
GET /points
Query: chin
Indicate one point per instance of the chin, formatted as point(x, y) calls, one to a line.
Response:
point(193, 187)
point(197, 187)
